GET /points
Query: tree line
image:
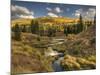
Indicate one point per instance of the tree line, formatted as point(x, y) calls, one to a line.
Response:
point(35, 29)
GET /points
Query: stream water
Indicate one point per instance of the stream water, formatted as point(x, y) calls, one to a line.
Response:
point(52, 53)
point(56, 63)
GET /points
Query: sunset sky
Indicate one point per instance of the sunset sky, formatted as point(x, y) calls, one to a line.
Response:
point(22, 9)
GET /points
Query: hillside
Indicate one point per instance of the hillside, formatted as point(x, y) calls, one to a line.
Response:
point(20, 21)
point(26, 58)
point(50, 20)
point(80, 51)
point(83, 43)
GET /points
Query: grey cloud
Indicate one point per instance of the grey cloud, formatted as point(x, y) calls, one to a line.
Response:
point(20, 12)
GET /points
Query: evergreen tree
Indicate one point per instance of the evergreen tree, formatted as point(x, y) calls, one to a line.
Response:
point(80, 25)
point(17, 33)
point(24, 29)
point(95, 19)
point(75, 29)
point(34, 27)
point(65, 31)
point(68, 29)
point(54, 31)
point(49, 32)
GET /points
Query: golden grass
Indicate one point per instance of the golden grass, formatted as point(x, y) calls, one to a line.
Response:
point(77, 63)
point(28, 59)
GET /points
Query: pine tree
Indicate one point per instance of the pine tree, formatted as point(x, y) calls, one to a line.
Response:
point(34, 27)
point(80, 26)
point(54, 32)
point(74, 29)
point(95, 19)
point(37, 27)
point(65, 31)
point(17, 33)
point(49, 32)
point(24, 28)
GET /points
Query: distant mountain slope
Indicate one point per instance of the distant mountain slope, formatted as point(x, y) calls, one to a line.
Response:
point(20, 21)
point(52, 20)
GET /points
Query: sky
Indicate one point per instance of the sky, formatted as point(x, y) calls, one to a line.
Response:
point(24, 9)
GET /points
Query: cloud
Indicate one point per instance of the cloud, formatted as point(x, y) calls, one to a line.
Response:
point(90, 13)
point(25, 16)
point(87, 14)
point(58, 10)
point(21, 12)
point(54, 12)
point(49, 9)
point(78, 12)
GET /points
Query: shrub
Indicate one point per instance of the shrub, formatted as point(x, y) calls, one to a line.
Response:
point(77, 63)
point(69, 63)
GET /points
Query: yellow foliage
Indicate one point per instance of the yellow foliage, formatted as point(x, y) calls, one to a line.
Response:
point(76, 63)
